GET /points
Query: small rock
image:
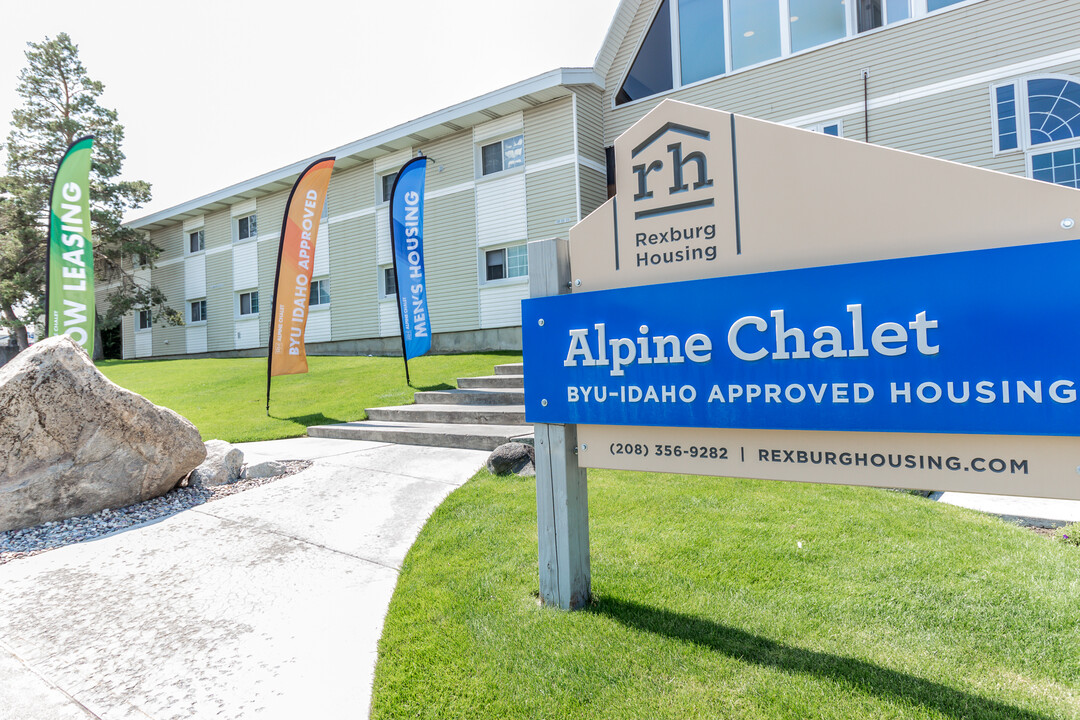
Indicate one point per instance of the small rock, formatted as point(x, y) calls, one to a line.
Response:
point(222, 464)
point(270, 468)
point(512, 457)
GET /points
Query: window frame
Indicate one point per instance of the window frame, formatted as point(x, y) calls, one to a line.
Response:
point(501, 141)
point(381, 188)
point(386, 272)
point(1023, 122)
point(918, 11)
point(201, 232)
point(149, 315)
point(820, 127)
point(191, 304)
point(236, 228)
point(313, 295)
point(1021, 116)
point(507, 278)
point(240, 315)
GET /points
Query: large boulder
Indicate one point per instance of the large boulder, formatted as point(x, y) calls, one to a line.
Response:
point(72, 442)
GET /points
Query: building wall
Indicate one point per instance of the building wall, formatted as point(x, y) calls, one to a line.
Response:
point(932, 74)
point(459, 200)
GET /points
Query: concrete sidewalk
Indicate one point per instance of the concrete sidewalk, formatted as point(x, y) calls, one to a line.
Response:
point(268, 603)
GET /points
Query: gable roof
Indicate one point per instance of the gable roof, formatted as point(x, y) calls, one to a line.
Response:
point(512, 98)
point(620, 25)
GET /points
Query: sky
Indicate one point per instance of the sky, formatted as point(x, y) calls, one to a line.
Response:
point(213, 92)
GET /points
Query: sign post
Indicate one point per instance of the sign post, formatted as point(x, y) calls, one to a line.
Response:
point(562, 492)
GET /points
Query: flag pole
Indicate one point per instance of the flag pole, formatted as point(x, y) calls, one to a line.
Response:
point(393, 256)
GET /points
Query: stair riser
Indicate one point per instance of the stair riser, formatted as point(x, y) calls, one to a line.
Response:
point(474, 417)
point(435, 397)
point(511, 369)
point(494, 382)
point(405, 437)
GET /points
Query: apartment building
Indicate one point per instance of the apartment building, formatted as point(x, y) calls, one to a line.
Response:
point(992, 83)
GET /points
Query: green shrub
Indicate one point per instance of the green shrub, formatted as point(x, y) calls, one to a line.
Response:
point(1069, 534)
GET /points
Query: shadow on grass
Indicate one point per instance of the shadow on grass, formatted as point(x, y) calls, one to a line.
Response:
point(440, 386)
point(858, 674)
point(309, 420)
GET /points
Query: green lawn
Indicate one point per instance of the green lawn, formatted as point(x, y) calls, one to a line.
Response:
point(226, 398)
point(705, 607)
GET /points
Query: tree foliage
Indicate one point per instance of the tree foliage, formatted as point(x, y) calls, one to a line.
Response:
point(60, 103)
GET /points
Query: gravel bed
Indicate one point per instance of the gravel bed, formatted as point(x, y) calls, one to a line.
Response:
point(16, 544)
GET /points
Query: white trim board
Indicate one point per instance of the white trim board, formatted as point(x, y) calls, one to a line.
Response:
point(985, 76)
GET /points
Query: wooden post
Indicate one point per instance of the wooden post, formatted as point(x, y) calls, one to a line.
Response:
point(562, 493)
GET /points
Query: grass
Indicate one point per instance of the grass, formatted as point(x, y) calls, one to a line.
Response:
point(705, 607)
point(226, 398)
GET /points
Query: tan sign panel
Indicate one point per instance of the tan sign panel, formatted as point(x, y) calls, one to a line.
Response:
point(706, 194)
point(703, 193)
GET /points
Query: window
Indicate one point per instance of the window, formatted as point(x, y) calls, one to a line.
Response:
point(703, 54)
point(1053, 109)
point(197, 313)
point(146, 320)
point(1061, 167)
point(1008, 135)
point(389, 282)
point(1040, 115)
point(875, 13)
point(692, 40)
point(196, 242)
point(320, 292)
point(505, 263)
point(246, 228)
point(650, 72)
point(387, 186)
point(249, 303)
point(815, 23)
point(832, 127)
point(502, 155)
point(755, 32)
point(932, 5)
point(140, 260)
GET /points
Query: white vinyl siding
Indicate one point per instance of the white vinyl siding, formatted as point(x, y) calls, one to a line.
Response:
point(500, 305)
point(388, 318)
point(195, 338)
point(318, 326)
point(500, 210)
point(247, 334)
point(245, 266)
point(195, 277)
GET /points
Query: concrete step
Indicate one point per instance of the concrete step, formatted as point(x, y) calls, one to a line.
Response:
point(492, 381)
point(463, 414)
point(510, 369)
point(470, 437)
point(477, 396)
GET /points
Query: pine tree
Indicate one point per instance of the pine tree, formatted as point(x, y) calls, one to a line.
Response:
point(60, 105)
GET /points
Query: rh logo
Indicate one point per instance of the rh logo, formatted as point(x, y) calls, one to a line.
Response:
point(647, 171)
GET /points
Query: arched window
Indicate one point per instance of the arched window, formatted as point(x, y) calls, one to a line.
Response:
point(1053, 109)
point(1041, 117)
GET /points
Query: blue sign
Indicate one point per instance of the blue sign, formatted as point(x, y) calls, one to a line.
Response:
point(407, 228)
point(984, 342)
